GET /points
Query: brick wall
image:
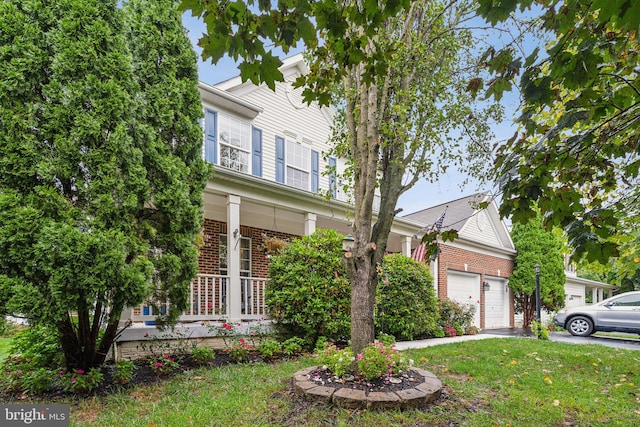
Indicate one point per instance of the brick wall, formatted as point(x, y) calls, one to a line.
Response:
point(208, 262)
point(454, 258)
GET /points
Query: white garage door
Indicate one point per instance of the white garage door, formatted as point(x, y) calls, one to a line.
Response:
point(465, 288)
point(496, 304)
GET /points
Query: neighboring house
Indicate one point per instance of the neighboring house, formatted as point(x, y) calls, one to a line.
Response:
point(474, 268)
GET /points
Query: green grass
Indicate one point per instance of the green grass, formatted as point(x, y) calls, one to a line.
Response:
point(5, 343)
point(493, 382)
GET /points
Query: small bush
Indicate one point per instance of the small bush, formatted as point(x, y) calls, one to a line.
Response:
point(203, 355)
point(79, 381)
point(379, 359)
point(338, 361)
point(37, 381)
point(39, 344)
point(292, 346)
point(309, 293)
point(539, 330)
point(123, 373)
point(269, 348)
point(239, 351)
point(406, 302)
point(455, 314)
point(163, 365)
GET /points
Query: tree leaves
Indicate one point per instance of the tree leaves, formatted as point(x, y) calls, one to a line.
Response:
point(579, 101)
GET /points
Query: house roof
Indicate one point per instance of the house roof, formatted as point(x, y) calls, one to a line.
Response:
point(457, 213)
point(475, 225)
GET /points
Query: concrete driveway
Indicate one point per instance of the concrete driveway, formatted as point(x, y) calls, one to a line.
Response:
point(630, 343)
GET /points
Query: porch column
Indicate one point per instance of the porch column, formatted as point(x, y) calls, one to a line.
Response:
point(406, 246)
point(233, 258)
point(309, 223)
point(594, 295)
point(600, 294)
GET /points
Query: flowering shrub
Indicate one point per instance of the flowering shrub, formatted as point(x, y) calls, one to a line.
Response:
point(163, 365)
point(450, 331)
point(123, 372)
point(380, 359)
point(79, 381)
point(240, 350)
point(377, 360)
point(336, 360)
point(455, 314)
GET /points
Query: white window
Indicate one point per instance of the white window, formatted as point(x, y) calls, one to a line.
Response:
point(245, 256)
point(235, 143)
point(298, 165)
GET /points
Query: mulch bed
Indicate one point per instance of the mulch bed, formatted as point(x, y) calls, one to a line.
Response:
point(393, 383)
point(143, 375)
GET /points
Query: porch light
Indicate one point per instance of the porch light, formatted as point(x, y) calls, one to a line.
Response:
point(486, 286)
point(347, 243)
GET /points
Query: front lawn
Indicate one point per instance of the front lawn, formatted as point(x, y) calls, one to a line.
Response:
point(493, 382)
point(5, 343)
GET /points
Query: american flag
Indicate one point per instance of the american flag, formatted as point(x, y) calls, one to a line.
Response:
point(438, 224)
point(419, 252)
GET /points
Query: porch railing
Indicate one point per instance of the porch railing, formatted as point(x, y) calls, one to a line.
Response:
point(209, 297)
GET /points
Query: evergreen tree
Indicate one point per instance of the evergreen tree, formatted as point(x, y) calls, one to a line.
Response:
point(537, 246)
point(99, 205)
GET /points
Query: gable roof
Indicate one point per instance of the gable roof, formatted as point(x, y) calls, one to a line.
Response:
point(473, 224)
point(457, 212)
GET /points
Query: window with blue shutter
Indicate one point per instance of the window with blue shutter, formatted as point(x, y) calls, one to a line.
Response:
point(333, 177)
point(256, 161)
point(210, 136)
point(315, 171)
point(279, 159)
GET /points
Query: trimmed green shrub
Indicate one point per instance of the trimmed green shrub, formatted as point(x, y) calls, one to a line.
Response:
point(309, 293)
point(406, 302)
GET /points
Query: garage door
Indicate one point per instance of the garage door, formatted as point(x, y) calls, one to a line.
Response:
point(496, 308)
point(465, 288)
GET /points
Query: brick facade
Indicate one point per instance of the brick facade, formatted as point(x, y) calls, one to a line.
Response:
point(459, 259)
point(208, 262)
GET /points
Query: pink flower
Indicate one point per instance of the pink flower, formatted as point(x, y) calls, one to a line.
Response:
point(157, 365)
point(359, 357)
point(146, 334)
point(73, 380)
point(80, 371)
point(166, 356)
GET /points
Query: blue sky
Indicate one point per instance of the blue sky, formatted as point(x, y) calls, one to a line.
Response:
point(423, 194)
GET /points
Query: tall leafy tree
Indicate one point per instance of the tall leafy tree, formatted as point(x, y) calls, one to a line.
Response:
point(86, 223)
point(577, 154)
point(398, 69)
point(535, 245)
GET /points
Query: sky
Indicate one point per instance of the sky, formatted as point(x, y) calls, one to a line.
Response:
point(424, 194)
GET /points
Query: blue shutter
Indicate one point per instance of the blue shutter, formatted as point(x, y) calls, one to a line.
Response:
point(333, 177)
point(256, 141)
point(210, 136)
point(315, 171)
point(279, 159)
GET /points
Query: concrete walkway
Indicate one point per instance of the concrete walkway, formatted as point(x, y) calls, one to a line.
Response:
point(406, 345)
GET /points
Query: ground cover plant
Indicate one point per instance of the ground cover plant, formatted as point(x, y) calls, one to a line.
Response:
point(502, 381)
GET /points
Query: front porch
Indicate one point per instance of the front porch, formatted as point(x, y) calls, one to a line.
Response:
point(214, 297)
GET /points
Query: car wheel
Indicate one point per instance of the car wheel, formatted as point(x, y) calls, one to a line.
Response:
point(580, 326)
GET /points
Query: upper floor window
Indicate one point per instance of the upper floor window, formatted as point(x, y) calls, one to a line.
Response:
point(298, 165)
point(235, 143)
point(232, 143)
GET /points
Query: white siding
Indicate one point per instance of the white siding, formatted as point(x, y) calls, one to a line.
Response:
point(480, 228)
point(284, 115)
